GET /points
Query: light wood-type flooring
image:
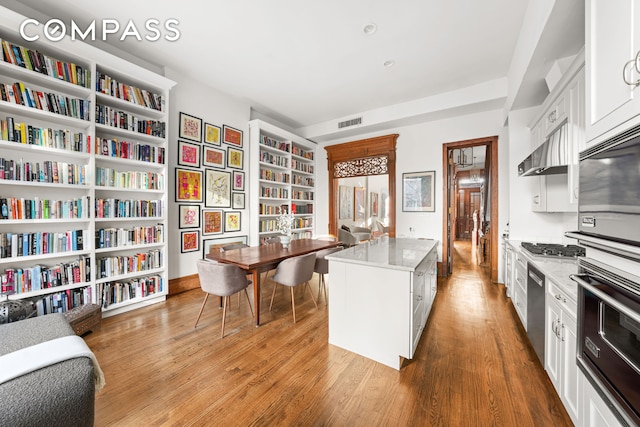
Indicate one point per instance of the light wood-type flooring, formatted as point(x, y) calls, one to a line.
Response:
point(473, 366)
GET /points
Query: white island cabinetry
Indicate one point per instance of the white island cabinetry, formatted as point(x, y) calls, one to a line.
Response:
point(381, 296)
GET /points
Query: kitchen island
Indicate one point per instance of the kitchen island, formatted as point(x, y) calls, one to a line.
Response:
point(381, 296)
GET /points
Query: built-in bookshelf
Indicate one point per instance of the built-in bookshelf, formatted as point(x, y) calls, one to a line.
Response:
point(83, 169)
point(282, 179)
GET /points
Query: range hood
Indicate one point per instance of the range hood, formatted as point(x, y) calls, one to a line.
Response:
point(552, 157)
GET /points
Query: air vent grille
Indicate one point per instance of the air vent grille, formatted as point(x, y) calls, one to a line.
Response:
point(352, 122)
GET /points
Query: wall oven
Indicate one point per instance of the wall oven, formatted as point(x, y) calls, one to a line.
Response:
point(609, 195)
point(609, 335)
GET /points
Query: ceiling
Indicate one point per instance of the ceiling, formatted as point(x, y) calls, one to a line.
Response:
point(307, 62)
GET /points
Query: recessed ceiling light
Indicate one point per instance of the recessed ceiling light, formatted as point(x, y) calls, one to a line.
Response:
point(389, 63)
point(370, 28)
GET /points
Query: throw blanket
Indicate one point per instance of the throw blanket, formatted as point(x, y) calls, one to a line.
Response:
point(29, 359)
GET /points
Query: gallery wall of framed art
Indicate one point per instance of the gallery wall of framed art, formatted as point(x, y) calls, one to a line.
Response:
point(209, 182)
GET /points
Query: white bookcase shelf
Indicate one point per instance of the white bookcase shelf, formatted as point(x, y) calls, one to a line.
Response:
point(92, 62)
point(281, 164)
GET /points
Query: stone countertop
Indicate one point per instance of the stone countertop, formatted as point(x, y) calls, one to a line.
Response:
point(554, 268)
point(386, 252)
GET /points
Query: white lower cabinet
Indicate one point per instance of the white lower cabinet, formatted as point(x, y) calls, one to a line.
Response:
point(520, 294)
point(595, 411)
point(560, 348)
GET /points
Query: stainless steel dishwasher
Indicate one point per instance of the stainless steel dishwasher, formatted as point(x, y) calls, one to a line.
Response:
point(535, 309)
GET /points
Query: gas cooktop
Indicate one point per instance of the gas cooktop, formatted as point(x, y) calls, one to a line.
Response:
point(553, 249)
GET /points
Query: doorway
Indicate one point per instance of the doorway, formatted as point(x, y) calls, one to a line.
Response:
point(470, 196)
point(367, 157)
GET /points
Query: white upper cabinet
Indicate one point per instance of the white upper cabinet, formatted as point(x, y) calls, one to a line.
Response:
point(613, 64)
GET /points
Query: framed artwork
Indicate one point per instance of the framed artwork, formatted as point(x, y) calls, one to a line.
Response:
point(189, 216)
point(235, 158)
point(374, 204)
point(345, 203)
point(189, 241)
point(212, 134)
point(212, 221)
point(238, 181)
point(359, 196)
point(231, 221)
point(213, 245)
point(217, 189)
point(237, 201)
point(214, 157)
point(232, 136)
point(188, 154)
point(190, 127)
point(188, 185)
point(418, 191)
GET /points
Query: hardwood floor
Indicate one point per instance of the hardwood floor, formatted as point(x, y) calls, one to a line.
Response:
point(473, 366)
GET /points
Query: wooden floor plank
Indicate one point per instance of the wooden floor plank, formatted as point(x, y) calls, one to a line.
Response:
point(473, 365)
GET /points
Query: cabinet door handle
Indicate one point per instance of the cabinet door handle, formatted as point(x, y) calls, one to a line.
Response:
point(552, 116)
point(624, 72)
point(558, 297)
point(562, 333)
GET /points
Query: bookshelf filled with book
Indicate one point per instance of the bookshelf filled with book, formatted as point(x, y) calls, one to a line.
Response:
point(82, 176)
point(282, 179)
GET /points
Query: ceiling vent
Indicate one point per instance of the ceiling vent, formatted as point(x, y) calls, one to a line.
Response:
point(352, 122)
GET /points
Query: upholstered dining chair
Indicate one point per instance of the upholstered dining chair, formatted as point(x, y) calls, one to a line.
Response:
point(230, 247)
point(292, 272)
point(222, 280)
point(322, 268)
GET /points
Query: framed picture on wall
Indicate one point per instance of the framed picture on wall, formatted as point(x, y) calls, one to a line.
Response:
point(189, 241)
point(232, 136)
point(360, 203)
point(188, 185)
point(190, 127)
point(189, 216)
point(235, 158)
point(213, 245)
point(212, 134)
point(238, 201)
point(212, 221)
point(418, 191)
point(218, 189)
point(188, 154)
point(374, 204)
point(231, 221)
point(345, 202)
point(213, 157)
point(238, 181)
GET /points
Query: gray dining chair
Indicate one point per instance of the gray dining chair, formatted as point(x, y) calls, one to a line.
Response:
point(292, 272)
point(322, 268)
point(222, 280)
point(271, 240)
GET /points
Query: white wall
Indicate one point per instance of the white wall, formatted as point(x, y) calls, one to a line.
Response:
point(419, 148)
point(212, 107)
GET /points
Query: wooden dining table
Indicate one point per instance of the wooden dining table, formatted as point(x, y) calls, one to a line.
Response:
point(258, 259)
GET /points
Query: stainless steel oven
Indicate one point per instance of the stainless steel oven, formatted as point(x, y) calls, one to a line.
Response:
point(609, 335)
point(609, 189)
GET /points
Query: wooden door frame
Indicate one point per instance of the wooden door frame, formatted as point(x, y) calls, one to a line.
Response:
point(361, 149)
point(491, 143)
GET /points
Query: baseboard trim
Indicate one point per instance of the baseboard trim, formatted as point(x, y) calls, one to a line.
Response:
point(182, 284)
